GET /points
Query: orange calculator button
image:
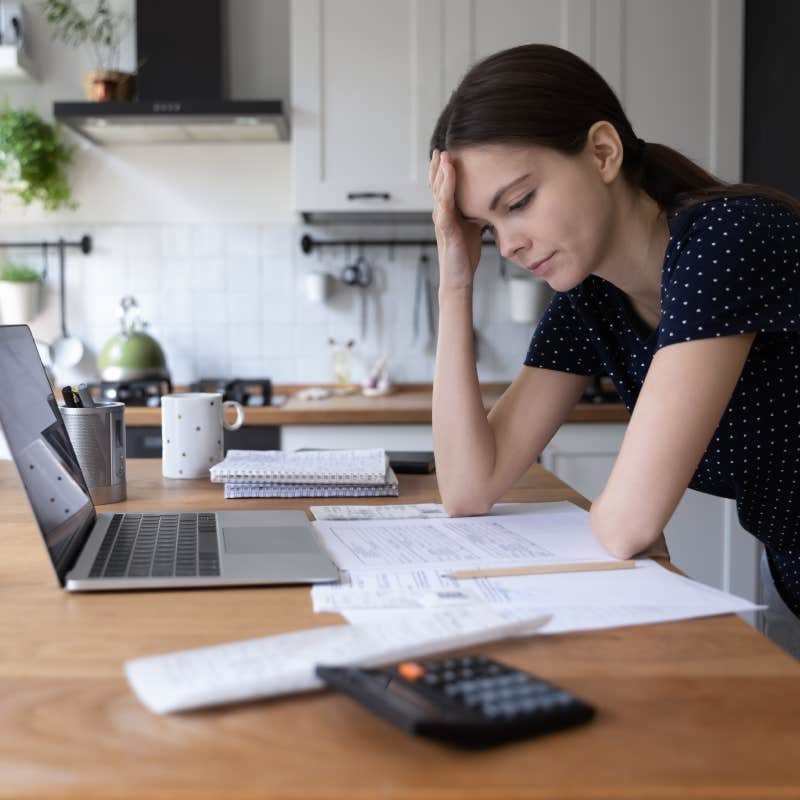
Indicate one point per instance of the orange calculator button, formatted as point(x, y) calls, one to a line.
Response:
point(410, 670)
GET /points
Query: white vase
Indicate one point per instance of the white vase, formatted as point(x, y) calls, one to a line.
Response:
point(19, 301)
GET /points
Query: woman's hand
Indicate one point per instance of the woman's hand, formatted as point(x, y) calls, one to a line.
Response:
point(458, 241)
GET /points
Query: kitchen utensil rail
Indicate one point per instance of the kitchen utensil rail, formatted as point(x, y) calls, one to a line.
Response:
point(84, 244)
point(309, 243)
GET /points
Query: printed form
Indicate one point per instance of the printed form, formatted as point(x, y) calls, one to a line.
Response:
point(392, 565)
point(514, 533)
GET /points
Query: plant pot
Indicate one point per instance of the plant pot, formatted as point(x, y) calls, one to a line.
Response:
point(19, 301)
point(105, 85)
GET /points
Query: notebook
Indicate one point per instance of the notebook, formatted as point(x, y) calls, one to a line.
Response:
point(337, 467)
point(389, 488)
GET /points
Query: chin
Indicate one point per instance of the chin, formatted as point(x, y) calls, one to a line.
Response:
point(560, 282)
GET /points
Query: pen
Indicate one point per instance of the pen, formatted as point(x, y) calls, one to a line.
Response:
point(85, 396)
point(69, 397)
point(540, 569)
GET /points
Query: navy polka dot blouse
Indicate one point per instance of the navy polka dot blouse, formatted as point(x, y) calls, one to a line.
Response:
point(731, 266)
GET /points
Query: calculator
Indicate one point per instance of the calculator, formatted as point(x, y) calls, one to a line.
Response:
point(469, 701)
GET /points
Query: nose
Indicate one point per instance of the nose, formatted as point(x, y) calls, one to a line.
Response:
point(511, 245)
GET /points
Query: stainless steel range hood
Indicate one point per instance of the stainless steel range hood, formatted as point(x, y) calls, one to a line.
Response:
point(176, 121)
point(180, 86)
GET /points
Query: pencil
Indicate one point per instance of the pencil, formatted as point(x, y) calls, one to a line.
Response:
point(540, 569)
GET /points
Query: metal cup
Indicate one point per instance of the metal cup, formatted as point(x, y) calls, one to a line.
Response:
point(98, 438)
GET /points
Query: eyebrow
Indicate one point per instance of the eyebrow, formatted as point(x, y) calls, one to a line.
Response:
point(499, 194)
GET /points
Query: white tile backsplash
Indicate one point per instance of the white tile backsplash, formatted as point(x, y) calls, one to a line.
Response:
point(230, 300)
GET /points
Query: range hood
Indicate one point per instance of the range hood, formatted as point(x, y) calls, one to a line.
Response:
point(180, 86)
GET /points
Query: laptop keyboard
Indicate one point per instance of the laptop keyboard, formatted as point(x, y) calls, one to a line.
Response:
point(158, 545)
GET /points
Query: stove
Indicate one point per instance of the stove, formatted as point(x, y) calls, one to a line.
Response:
point(145, 392)
point(144, 440)
point(247, 391)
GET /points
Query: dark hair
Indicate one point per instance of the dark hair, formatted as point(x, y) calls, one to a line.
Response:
point(539, 94)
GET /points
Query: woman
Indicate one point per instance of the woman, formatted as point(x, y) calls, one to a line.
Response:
point(684, 289)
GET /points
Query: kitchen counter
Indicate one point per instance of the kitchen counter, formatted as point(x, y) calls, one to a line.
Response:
point(409, 404)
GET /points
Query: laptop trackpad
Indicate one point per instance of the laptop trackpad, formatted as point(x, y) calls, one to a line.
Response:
point(263, 539)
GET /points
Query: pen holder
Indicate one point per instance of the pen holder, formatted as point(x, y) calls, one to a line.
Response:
point(98, 438)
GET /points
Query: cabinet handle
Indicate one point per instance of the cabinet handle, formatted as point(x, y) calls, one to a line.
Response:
point(368, 196)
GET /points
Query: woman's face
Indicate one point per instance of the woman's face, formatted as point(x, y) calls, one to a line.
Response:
point(539, 204)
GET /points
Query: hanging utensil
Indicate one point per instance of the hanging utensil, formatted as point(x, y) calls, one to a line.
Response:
point(45, 351)
point(359, 274)
point(67, 350)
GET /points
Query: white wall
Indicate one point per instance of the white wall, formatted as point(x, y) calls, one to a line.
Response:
point(204, 237)
point(165, 183)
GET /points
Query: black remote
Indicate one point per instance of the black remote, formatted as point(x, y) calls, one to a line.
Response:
point(470, 700)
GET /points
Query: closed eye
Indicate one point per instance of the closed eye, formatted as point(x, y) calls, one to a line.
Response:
point(521, 203)
point(514, 207)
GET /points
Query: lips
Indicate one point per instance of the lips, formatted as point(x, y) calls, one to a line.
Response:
point(539, 267)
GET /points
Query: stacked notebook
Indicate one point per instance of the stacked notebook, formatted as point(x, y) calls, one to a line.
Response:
point(309, 473)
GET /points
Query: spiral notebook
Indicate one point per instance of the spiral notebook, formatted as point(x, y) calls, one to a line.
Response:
point(389, 488)
point(335, 467)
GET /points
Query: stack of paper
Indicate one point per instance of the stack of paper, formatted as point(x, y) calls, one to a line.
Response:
point(394, 567)
point(313, 473)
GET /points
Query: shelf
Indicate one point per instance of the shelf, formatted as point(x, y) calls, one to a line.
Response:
point(15, 64)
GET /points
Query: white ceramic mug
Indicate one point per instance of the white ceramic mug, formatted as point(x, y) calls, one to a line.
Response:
point(527, 299)
point(318, 286)
point(192, 427)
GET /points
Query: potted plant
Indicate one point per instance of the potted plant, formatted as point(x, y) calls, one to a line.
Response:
point(19, 294)
point(33, 160)
point(102, 29)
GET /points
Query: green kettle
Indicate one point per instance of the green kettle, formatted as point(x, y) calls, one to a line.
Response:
point(131, 355)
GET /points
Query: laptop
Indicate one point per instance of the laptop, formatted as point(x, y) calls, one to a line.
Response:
point(124, 551)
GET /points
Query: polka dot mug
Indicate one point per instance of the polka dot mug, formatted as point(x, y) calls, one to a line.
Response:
point(192, 432)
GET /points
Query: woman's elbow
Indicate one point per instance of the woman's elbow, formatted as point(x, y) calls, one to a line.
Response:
point(465, 506)
point(617, 534)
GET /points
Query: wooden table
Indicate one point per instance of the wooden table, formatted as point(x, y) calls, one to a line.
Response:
point(696, 709)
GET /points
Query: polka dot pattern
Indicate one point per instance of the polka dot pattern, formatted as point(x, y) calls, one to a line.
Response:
point(732, 266)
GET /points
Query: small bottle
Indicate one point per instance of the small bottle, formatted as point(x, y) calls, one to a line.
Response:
point(342, 365)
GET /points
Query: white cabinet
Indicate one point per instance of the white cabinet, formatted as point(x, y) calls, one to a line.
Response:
point(704, 536)
point(366, 91)
point(370, 77)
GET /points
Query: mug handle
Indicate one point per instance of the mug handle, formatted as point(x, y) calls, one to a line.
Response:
point(239, 421)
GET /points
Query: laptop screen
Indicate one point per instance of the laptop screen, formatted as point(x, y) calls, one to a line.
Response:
point(40, 445)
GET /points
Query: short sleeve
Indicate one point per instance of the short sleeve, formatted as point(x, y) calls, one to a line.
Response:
point(562, 341)
point(737, 270)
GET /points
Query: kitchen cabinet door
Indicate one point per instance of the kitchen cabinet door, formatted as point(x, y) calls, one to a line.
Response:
point(369, 78)
point(367, 85)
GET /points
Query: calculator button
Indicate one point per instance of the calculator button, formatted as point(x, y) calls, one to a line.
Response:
point(410, 670)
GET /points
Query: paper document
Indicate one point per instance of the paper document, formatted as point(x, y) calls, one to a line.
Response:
point(577, 601)
point(410, 511)
point(514, 533)
point(285, 663)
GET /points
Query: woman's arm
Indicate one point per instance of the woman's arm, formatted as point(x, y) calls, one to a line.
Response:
point(479, 458)
point(684, 395)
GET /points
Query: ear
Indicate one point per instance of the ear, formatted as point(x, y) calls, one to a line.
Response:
point(604, 147)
